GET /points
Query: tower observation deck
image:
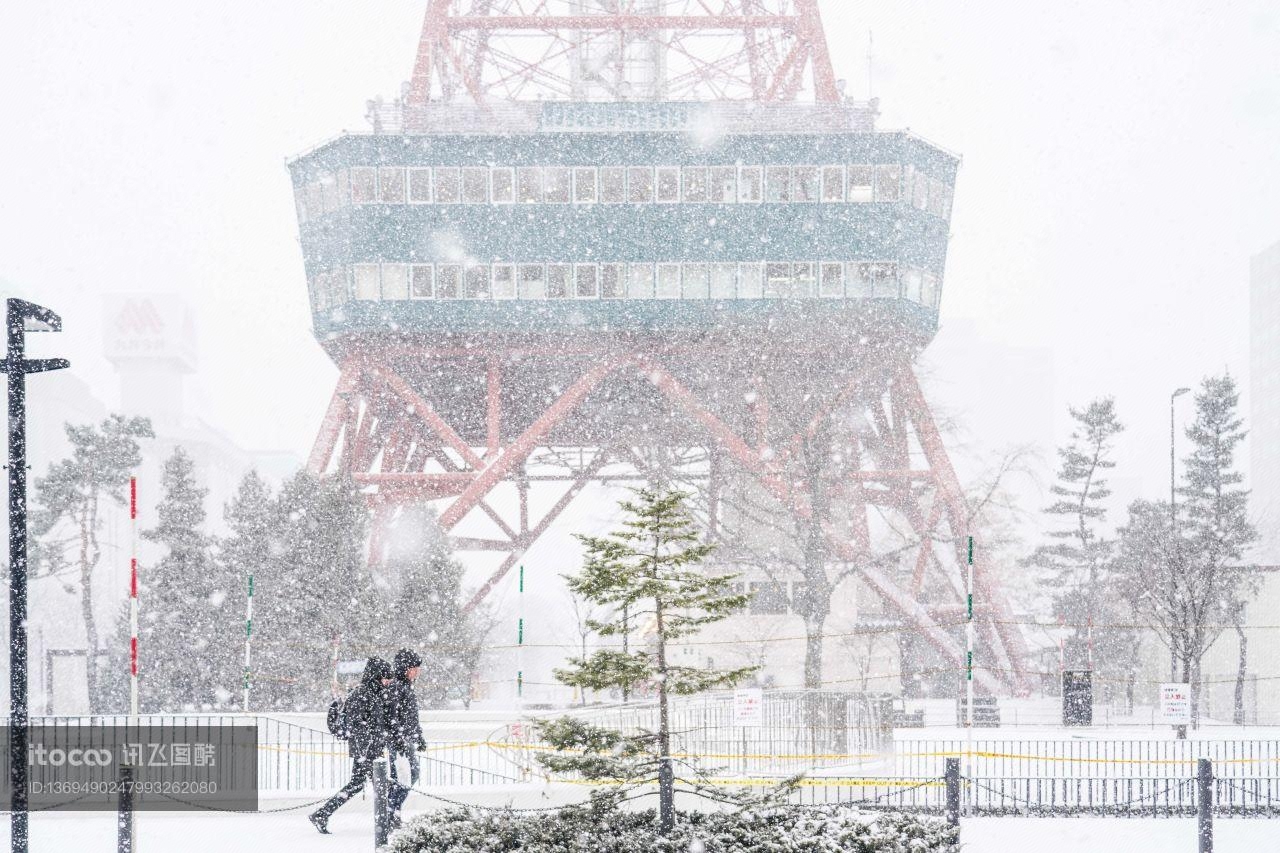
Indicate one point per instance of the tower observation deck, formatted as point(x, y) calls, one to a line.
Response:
point(614, 239)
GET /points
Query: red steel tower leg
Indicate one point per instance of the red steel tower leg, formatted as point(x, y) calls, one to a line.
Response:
point(899, 465)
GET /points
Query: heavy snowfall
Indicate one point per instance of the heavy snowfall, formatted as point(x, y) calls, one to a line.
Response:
point(621, 425)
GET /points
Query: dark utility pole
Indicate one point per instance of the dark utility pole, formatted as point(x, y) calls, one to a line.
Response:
point(21, 317)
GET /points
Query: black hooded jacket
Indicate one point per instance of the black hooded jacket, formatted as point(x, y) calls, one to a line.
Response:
point(366, 715)
point(406, 726)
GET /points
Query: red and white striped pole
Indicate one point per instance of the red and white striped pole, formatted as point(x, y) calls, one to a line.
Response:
point(133, 596)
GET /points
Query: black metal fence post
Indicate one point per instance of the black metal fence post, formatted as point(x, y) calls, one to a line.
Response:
point(666, 796)
point(19, 317)
point(953, 792)
point(1204, 781)
point(380, 816)
point(124, 820)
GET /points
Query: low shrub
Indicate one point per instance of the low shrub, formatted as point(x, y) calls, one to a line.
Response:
point(592, 829)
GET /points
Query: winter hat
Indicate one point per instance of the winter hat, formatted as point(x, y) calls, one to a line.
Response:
point(375, 669)
point(406, 659)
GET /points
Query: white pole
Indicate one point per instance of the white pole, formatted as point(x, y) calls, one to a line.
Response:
point(968, 642)
point(248, 637)
point(133, 597)
point(129, 824)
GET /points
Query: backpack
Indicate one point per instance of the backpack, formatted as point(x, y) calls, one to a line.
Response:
point(334, 719)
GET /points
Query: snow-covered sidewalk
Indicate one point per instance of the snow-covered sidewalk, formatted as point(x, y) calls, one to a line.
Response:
point(352, 832)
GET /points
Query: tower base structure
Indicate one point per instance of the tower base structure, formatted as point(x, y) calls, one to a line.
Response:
point(836, 437)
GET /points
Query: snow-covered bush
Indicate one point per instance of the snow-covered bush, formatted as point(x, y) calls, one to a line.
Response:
point(594, 830)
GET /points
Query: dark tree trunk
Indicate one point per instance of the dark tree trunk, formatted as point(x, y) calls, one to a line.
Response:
point(815, 604)
point(1242, 670)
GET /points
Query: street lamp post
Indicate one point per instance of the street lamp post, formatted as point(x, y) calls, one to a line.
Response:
point(1173, 530)
point(21, 317)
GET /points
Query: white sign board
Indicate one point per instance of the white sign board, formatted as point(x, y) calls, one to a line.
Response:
point(350, 667)
point(748, 707)
point(149, 326)
point(1175, 704)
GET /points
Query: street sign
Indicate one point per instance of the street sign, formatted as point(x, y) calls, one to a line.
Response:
point(1175, 704)
point(748, 707)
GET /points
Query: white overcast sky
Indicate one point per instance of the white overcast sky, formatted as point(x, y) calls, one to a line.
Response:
point(1120, 167)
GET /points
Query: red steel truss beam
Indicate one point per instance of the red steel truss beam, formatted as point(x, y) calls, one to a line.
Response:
point(531, 536)
point(1011, 649)
point(524, 445)
point(768, 476)
point(461, 48)
point(393, 412)
point(425, 411)
point(621, 23)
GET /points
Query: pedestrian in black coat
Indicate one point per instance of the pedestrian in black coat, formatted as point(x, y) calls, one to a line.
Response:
point(366, 717)
point(406, 729)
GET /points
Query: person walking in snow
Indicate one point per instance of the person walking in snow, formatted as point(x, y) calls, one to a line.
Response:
point(366, 719)
point(406, 731)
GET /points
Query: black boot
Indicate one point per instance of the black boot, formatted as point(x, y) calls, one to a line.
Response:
point(319, 821)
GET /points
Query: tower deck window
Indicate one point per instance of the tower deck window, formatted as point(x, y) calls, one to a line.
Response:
point(777, 183)
point(419, 186)
point(391, 185)
point(533, 283)
point(750, 184)
point(861, 181)
point(475, 185)
point(888, 183)
point(558, 276)
point(504, 186)
point(448, 185)
point(613, 184)
point(364, 185)
point(668, 184)
point(556, 185)
point(529, 184)
point(584, 185)
point(639, 185)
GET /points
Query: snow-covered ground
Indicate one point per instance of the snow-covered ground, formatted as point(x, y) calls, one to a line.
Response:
point(352, 832)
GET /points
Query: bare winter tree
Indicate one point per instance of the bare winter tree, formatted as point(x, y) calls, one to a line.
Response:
point(1182, 571)
point(756, 530)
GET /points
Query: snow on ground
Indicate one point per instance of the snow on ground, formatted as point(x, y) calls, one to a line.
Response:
point(352, 832)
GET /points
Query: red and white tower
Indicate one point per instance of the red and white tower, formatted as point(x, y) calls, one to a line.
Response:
point(599, 240)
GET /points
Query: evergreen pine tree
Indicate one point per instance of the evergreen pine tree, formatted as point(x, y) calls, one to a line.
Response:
point(426, 610)
point(186, 628)
point(650, 571)
point(247, 551)
point(1217, 524)
point(66, 518)
point(316, 589)
point(1078, 561)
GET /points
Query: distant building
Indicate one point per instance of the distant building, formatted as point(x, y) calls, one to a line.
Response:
point(1264, 397)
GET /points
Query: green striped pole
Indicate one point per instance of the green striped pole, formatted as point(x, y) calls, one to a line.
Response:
point(520, 640)
point(248, 638)
point(968, 641)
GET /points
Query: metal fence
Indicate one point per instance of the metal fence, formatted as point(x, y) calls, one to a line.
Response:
point(293, 758)
point(799, 730)
point(1166, 796)
point(1074, 758)
point(1017, 777)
